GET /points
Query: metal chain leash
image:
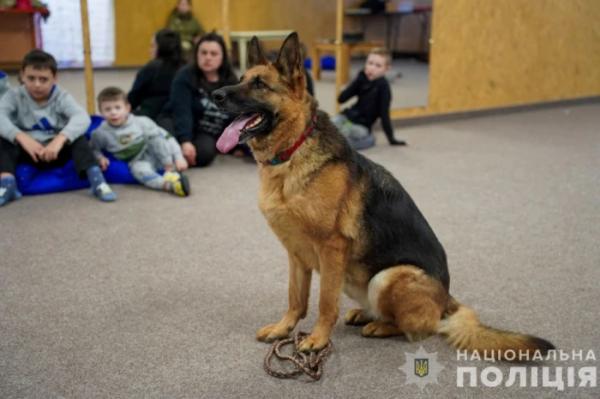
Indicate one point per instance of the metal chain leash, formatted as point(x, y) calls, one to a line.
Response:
point(310, 363)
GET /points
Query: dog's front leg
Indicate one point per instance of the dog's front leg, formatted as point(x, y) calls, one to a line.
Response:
point(298, 292)
point(332, 263)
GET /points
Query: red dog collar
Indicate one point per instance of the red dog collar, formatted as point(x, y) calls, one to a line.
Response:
point(285, 155)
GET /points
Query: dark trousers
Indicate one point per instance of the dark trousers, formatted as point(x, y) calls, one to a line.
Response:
point(206, 145)
point(79, 151)
point(206, 149)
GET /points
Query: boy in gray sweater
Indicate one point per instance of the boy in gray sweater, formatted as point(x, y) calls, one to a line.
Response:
point(42, 124)
point(139, 141)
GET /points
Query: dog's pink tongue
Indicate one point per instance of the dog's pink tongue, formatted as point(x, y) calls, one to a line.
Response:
point(231, 135)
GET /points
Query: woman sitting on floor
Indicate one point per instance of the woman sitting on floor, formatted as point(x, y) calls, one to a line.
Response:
point(150, 91)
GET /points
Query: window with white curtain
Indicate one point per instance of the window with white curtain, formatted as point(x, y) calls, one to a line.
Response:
point(62, 33)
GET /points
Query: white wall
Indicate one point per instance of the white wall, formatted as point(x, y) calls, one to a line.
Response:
point(62, 34)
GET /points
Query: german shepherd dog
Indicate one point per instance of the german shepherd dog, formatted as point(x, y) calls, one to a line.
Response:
point(346, 217)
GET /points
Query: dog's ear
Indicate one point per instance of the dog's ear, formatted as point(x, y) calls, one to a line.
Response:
point(289, 62)
point(255, 53)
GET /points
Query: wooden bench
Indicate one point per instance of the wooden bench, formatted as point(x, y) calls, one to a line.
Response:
point(343, 65)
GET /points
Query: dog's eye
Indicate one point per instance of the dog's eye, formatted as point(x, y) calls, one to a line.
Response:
point(259, 84)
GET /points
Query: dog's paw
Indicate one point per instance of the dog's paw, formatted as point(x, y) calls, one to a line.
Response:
point(272, 332)
point(380, 329)
point(356, 317)
point(313, 343)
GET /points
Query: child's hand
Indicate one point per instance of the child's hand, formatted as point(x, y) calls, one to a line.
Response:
point(168, 167)
point(34, 148)
point(181, 164)
point(104, 162)
point(50, 152)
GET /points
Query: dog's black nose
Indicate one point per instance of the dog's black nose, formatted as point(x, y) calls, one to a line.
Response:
point(219, 96)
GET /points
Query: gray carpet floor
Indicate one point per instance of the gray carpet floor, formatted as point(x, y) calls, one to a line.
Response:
point(160, 297)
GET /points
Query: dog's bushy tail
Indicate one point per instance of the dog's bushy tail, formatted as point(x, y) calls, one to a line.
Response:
point(463, 330)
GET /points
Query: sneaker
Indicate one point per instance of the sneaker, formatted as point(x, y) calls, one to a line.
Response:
point(180, 185)
point(5, 195)
point(104, 193)
point(9, 193)
point(185, 185)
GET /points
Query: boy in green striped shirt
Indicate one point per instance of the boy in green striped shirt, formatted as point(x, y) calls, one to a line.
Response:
point(141, 143)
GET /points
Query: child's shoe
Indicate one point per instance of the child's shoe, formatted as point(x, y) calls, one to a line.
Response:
point(8, 190)
point(178, 184)
point(104, 193)
point(100, 189)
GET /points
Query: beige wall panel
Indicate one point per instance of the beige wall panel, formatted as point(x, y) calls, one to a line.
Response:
point(137, 20)
point(135, 23)
point(486, 53)
point(508, 52)
point(312, 19)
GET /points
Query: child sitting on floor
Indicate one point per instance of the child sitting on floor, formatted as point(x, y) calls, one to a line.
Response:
point(42, 124)
point(140, 142)
point(374, 100)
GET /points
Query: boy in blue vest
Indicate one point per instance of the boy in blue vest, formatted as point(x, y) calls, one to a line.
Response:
point(43, 125)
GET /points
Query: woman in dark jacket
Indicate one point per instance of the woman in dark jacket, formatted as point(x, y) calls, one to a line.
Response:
point(152, 85)
point(191, 115)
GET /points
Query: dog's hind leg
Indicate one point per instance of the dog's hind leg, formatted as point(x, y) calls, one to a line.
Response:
point(298, 292)
point(408, 301)
point(380, 329)
point(356, 284)
point(357, 317)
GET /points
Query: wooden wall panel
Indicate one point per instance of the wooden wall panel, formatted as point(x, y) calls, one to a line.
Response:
point(137, 20)
point(488, 54)
point(485, 54)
